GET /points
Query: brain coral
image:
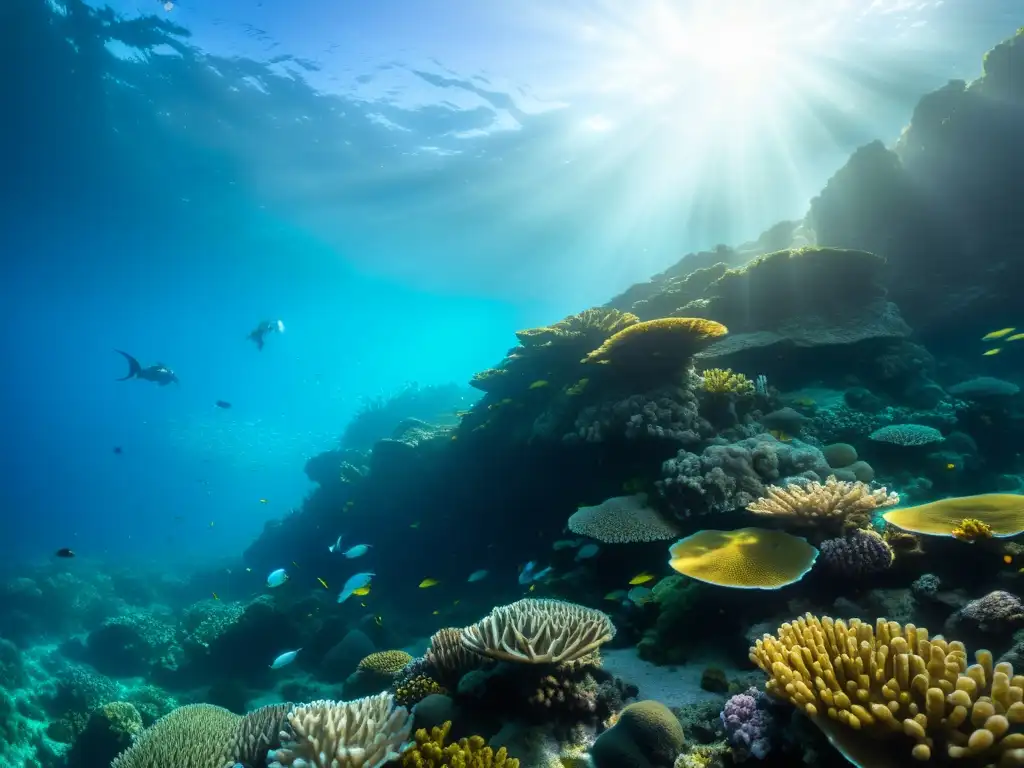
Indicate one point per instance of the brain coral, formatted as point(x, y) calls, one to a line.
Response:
point(1003, 513)
point(748, 558)
point(863, 684)
point(328, 734)
point(621, 520)
point(539, 632)
point(196, 735)
point(646, 735)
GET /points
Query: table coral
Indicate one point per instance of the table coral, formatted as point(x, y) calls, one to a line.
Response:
point(748, 558)
point(622, 520)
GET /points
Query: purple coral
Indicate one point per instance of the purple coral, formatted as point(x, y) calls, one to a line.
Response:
point(860, 553)
point(994, 612)
point(748, 725)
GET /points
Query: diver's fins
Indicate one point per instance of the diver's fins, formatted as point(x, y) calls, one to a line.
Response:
point(134, 369)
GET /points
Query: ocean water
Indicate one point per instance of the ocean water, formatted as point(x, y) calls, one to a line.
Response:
point(403, 184)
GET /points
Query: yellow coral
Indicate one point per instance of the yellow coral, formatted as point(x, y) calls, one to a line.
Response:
point(816, 503)
point(1003, 513)
point(748, 558)
point(861, 683)
point(668, 339)
point(431, 752)
point(388, 663)
point(722, 381)
point(592, 324)
point(414, 689)
point(972, 529)
point(489, 379)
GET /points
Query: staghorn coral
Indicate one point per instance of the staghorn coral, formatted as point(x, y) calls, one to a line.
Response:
point(196, 735)
point(448, 657)
point(722, 381)
point(385, 663)
point(540, 631)
point(859, 553)
point(343, 734)
point(748, 558)
point(413, 689)
point(864, 683)
point(815, 503)
point(668, 341)
point(972, 529)
point(622, 520)
point(1003, 513)
point(430, 751)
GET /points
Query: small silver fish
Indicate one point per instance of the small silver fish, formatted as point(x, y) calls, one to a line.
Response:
point(335, 546)
point(478, 575)
point(587, 551)
point(285, 659)
point(357, 551)
point(277, 578)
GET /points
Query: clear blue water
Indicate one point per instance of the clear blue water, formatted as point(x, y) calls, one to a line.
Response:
point(402, 183)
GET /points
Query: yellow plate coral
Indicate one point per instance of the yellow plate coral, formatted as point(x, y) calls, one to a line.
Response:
point(1002, 512)
point(748, 558)
point(668, 338)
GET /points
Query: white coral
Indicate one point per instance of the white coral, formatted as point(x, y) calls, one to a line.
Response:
point(365, 733)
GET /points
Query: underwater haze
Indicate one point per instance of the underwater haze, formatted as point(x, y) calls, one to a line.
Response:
point(513, 362)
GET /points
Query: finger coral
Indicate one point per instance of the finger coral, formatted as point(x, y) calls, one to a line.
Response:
point(722, 381)
point(1003, 513)
point(863, 683)
point(541, 631)
point(622, 520)
point(196, 735)
point(430, 752)
point(815, 503)
point(343, 734)
point(748, 558)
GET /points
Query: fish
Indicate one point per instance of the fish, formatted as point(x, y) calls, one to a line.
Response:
point(362, 591)
point(277, 578)
point(263, 501)
point(951, 465)
point(322, 582)
point(378, 620)
point(357, 551)
point(295, 564)
point(998, 334)
point(157, 373)
point(356, 581)
point(587, 551)
point(478, 575)
point(526, 575)
point(617, 596)
point(641, 578)
point(335, 546)
point(1007, 559)
point(539, 384)
point(285, 659)
point(541, 574)
point(532, 587)
point(215, 596)
point(640, 595)
point(118, 450)
point(565, 544)
point(223, 404)
point(429, 583)
point(415, 525)
point(1015, 337)
point(993, 351)
point(258, 334)
point(779, 435)
point(64, 552)
point(211, 523)
point(436, 613)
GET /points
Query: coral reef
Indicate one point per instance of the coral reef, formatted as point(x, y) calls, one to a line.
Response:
point(430, 752)
point(646, 735)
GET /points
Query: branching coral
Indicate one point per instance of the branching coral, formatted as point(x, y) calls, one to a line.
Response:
point(622, 520)
point(722, 381)
point(351, 734)
point(865, 683)
point(815, 503)
point(430, 752)
point(972, 529)
point(539, 632)
point(196, 735)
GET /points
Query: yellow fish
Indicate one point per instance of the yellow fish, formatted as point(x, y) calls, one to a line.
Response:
point(532, 587)
point(1007, 559)
point(641, 578)
point(263, 501)
point(951, 466)
point(997, 334)
point(362, 591)
point(429, 583)
point(779, 435)
point(538, 384)
point(1015, 337)
point(215, 597)
point(993, 351)
point(324, 583)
